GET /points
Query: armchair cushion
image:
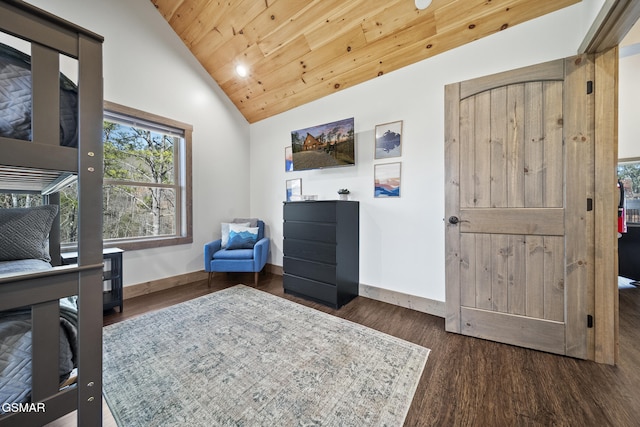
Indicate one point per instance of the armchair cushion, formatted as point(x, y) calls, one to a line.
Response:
point(241, 237)
point(226, 254)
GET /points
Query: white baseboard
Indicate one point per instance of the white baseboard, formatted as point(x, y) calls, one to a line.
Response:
point(425, 305)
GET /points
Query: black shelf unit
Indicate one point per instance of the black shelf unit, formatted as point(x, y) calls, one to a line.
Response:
point(321, 250)
point(111, 276)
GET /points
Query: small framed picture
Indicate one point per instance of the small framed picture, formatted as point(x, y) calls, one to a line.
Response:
point(386, 180)
point(389, 140)
point(288, 159)
point(294, 189)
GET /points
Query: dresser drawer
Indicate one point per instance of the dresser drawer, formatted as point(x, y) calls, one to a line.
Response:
point(310, 211)
point(310, 270)
point(311, 251)
point(311, 289)
point(316, 231)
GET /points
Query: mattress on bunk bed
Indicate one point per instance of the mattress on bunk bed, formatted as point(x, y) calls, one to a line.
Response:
point(15, 350)
point(15, 99)
point(23, 265)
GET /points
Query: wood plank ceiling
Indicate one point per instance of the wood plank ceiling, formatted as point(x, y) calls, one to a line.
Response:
point(297, 51)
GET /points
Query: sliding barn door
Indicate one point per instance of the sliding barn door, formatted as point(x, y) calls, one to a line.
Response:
point(519, 225)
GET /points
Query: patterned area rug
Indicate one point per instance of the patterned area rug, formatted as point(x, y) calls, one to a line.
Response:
point(243, 357)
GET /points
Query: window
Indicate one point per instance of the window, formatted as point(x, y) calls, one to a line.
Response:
point(629, 176)
point(147, 182)
point(146, 187)
point(147, 179)
point(19, 200)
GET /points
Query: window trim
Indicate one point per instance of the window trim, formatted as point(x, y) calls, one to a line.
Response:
point(184, 217)
point(629, 160)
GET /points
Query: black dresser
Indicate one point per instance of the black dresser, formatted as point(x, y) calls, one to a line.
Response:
point(321, 250)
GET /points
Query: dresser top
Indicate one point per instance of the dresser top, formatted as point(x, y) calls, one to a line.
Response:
point(321, 201)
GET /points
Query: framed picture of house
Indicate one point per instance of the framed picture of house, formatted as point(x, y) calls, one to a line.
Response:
point(389, 140)
point(294, 189)
point(288, 159)
point(324, 146)
point(386, 180)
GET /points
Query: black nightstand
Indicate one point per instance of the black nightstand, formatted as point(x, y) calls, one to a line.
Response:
point(112, 276)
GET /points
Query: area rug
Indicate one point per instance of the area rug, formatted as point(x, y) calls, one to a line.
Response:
point(243, 357)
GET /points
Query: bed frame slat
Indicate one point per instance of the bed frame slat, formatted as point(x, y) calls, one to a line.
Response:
point(24, 154)
point(45, 95)
point(36, 288)
point(45, 336)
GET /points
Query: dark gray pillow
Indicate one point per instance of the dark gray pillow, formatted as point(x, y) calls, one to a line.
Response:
point(253, 222)
point(24, 232)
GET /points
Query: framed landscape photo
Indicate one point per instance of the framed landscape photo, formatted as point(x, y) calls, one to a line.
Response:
point(389, 140)
point(294, 189)
point(324, 146)
point(386, 180)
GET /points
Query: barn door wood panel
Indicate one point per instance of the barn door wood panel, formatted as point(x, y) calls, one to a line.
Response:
point(519, 236)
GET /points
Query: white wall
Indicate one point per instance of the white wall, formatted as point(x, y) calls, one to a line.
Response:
point(628, 95)
point(590, 11)
point(146, 66)
point(401, 240)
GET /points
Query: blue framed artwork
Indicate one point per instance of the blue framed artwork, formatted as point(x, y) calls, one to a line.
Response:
point(386, 180)
point(389, 140)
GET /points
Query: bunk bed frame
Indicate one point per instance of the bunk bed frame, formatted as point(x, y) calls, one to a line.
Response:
point(44, 163)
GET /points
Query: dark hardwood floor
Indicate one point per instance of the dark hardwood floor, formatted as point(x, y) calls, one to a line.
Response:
point(472, 382)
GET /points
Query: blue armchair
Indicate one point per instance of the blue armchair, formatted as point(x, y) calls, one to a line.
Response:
point(218, 259)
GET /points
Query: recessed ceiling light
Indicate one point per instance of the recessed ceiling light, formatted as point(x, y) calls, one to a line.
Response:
point(241, 70)
point(422, 4)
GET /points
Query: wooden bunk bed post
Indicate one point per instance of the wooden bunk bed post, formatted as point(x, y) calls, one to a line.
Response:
point(90, 101)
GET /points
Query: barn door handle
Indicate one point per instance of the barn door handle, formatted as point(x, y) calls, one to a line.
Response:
point(453, 220)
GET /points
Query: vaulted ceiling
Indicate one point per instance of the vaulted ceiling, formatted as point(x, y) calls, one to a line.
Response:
point(297, 51)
